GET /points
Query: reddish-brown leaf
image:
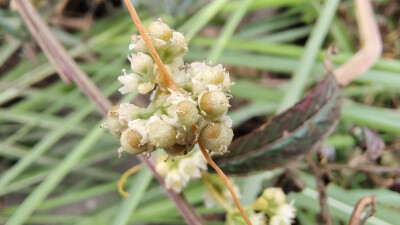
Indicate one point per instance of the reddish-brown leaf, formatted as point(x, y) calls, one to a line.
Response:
point(289, 135)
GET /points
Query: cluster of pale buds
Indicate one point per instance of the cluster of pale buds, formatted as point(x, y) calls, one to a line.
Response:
point(179, 172)
point(269, 209)
point(174, 119)
point(273, 204)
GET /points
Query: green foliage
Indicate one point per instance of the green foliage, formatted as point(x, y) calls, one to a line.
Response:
point(53, 153)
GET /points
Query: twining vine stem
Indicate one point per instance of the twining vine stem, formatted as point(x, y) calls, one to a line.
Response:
point(166, 79)
point(226, 181)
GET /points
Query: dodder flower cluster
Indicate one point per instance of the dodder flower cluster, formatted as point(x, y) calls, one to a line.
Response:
point(202, 101)
point(272, 203)
point(179, 172)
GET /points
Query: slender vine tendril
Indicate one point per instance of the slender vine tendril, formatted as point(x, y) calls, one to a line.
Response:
point(166, 79)
point(124, 176)
point(226, 181)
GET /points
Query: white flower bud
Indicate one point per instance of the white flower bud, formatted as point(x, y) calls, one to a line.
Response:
point(279, 220)
point(140, 126)
point(213, 104)
point(187, 113)
point(161, 134)
point(176, 47)
point(159, 30)
point(161, 166)
point(188, 168)
point(288, 211)
point(257, 218)
point(175, 181)
point(210, 75)
point(130, 142)
point(138, 44)
point(216, 137)
point(130, 82)
point(141, 63)
point(118, 117)
point(274, 196)
point(146, 87)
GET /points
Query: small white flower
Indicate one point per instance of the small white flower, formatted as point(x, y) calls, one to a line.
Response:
point(145, 87)
point(162, 167)
point(141, 127)
point(274, 195)
point(188, 168)
point(287, 212)
point(175, 181)
point(279, 220)
point(130, 82)
point(257, 218)
point(141, 63)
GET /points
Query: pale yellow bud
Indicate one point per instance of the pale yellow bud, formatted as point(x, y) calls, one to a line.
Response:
point(146, 87)
point(187, 113)
point(216, 137)
point(118, 117)
point(159, 30)
point(213, 104)
point(211, 76)
point(274, 196)
point(161, 134)
point(141, 63)
point(130, 142)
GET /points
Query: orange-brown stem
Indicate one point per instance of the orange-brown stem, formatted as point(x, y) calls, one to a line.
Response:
point(166, 79)
point(224, 178)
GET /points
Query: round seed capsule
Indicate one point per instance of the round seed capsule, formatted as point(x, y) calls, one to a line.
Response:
point(161, 134)
point(214, 104)
point(175, 150)
point(212, 76)
point(130, 142)
point(118, 117)
point(187, 113)
point(216, 137)
point(113, 122)
point(159, 30)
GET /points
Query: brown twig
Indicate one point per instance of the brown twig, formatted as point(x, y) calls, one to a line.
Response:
point(58, 56)
point(321, 188)
point(366, 57)
point(366, 168)
point(356, 217)
point(328, 65)
point(62, 61)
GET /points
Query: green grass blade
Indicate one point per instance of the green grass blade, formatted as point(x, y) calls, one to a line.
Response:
point(198, 21)
point(313, 46)
point(228, 30)
point(40, 193)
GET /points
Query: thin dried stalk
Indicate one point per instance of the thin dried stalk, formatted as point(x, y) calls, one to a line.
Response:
point(66, 66)
point(356, 217)
point(321, 187)
point(366, 57)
